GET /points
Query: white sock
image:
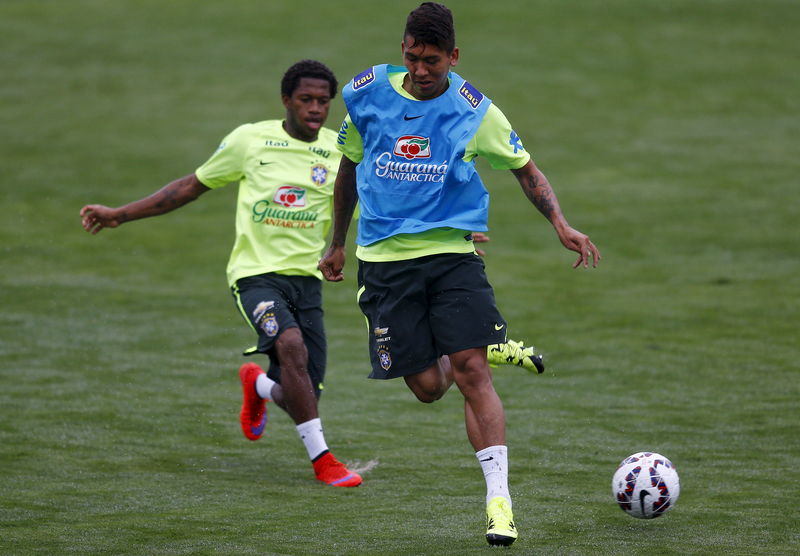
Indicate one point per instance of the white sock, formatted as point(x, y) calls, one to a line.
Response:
point(264, 386)
point(311, 434)
point(494, 462)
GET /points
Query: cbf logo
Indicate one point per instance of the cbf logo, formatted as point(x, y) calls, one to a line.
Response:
point(290, 196)
point(413, 146)
point(269, 325)
point(266, 320)
point(384, 358)
point(319, 174)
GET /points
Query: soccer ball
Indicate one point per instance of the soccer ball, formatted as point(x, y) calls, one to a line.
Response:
point(646, 485)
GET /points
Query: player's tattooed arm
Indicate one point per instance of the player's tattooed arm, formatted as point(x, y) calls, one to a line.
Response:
point(173, 195)
point(538, 190)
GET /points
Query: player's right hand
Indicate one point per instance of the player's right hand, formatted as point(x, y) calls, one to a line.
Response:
point(96, 217)
point(332, 263)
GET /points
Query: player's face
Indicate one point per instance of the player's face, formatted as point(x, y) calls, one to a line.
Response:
point(307, 108)
point(427, 67)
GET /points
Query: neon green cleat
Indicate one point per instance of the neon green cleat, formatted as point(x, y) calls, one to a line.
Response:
point(514, 353)
point(500, 530)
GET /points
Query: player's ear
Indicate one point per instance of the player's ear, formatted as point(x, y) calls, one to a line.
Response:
point(454, 57)
point(286, 99)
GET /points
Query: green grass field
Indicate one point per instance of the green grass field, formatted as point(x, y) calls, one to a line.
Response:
point(671, 132)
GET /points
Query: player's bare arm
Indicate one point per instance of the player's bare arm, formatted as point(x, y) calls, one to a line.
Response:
point(538, 190)
point(173, 195)
point(345, 198)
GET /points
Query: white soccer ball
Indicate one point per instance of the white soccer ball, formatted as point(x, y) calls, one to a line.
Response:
point(646, 485)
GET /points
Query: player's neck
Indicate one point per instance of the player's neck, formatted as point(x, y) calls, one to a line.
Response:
point(408, 86)
point(296, 133)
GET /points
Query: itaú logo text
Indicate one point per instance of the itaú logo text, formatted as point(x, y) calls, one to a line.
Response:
point(413, 146)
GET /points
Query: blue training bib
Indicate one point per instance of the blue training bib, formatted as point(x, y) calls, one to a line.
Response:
point(413, 177)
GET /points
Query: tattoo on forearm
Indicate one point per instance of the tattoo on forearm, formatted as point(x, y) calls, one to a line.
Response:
point(167, 198)
point(538, 190)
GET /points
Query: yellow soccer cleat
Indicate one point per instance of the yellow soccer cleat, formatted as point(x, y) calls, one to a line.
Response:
point(514, 353)
point(500, 529)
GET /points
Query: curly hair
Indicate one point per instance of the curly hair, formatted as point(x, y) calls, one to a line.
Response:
point(431, 23)
point(307, 68)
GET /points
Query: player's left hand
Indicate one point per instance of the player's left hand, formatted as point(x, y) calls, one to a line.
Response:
point(580, 243)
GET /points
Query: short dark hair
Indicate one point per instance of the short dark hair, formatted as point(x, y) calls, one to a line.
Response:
point(307, 68)
point(431, 23)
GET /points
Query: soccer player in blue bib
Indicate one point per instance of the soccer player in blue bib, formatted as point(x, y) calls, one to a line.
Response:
point(409, 141)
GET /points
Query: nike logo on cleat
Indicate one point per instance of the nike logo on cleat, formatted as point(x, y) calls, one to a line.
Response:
point(499, 326)
point(407, 117)
point(343, 479)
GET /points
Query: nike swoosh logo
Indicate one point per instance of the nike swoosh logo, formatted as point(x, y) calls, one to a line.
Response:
point(264, 163)
point(499, 326)
point(407, 118)
point(490, 458)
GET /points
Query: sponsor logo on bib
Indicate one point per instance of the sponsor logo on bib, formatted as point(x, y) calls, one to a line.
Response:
point(363, 79)
point(413, 146)
point(472, 95)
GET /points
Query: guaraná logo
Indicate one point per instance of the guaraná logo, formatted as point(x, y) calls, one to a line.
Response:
point(413, 146)
point(290, 196)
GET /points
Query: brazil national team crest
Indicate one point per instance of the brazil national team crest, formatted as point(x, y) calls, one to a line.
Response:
point(290, 196)
point(413, 146)
point(384, 358)
point(319, 174)
point(269, 325)
point(265, 318)
point(381, 339)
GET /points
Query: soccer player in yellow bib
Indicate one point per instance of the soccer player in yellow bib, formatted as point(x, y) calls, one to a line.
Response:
point(285, 170)
point(409, 141)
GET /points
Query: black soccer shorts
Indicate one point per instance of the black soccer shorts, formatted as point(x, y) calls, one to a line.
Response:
point(271, 303)
point(420, 309)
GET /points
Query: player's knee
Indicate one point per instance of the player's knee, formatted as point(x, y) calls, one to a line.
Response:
point(472, 371)
point(429, 385)
point(426, 387)
point(291, 349)
point(428, 395)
